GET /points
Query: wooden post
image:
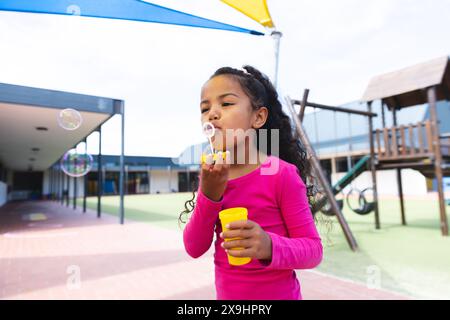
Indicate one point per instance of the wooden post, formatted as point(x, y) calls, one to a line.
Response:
point(412, 147)
point(377, 133)
point(429, 135)
point(403, 140)
point(301, 113)
point(394, 141)
point(372, 168)
point(387, 143)
point(398, 170)
point(431, 95)
point(333, 167)
point(420, 135)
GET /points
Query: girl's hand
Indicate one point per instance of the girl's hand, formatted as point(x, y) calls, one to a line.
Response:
point(256, 242)
point(214, 176)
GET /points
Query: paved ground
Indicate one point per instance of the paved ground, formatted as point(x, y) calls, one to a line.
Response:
point(48, 251)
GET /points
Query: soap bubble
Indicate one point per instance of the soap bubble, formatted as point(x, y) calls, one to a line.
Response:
point(69, 119)
point(74, 10)
point(76, 164)
point(208, 129)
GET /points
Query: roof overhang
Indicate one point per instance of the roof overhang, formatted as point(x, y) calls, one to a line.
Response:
point(23, 109)
point(405, 87)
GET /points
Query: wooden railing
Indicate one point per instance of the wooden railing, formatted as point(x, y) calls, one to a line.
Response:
point(405, 141)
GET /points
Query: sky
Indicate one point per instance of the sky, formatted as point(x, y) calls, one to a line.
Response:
point(331, 47)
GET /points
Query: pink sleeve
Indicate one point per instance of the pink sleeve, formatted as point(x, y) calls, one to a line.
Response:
point(199, 231)
point(303, 248)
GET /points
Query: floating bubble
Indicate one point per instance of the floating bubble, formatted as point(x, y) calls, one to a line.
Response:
point(76, 164)
point(74, 10)
point(208, 129)
point(69, 119)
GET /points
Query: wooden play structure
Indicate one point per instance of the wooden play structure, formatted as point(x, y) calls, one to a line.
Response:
point(427, 82)
point(420, 146)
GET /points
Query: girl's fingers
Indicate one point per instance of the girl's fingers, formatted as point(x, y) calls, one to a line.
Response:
point(219, 157)
point(236, 244)
point(239, 233)
point(209, 159)
point(241, 253)
point(219, 164)
point(205, 169)
point(215, 166)
point(242, 224)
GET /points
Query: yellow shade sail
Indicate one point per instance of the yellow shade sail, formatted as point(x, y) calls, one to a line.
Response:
point(255, 9)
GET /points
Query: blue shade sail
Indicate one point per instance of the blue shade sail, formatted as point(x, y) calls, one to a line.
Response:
point(134, 10)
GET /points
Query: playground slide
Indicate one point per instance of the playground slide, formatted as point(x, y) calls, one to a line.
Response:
point(357, 169)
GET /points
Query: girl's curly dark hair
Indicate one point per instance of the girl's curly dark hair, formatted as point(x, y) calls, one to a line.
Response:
point(262, 93)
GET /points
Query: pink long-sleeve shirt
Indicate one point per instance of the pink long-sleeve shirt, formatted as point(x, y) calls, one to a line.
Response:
point(278, 203)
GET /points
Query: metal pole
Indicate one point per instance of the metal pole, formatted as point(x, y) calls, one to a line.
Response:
point(85, 179)
point(372, 168)
point(438, 158)
point(50, 176)
point(149, 172)
point(61, 177)
point(276, 35)
point(170, 177)
point(125, 180)
point(188, 178)
point(75, 189)
point(120, 105)
point(322, 178)
point(57, 183)
point(99, 174)
point(67, 191)
point(52, 186)
point(53, 195)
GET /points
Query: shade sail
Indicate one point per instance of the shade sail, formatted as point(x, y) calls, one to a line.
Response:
point(134, 10)
point(254, 9)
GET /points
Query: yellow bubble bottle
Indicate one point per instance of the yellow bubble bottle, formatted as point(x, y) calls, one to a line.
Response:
point(226, 216)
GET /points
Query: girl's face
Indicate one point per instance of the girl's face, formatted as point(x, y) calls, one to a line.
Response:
point(228, 108)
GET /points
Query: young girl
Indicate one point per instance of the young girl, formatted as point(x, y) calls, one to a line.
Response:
point(280, 234)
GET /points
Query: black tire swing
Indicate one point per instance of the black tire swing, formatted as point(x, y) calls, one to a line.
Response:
point(328, 211)
point(365, 207)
